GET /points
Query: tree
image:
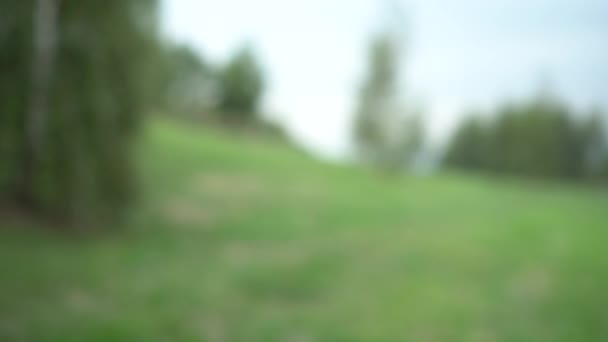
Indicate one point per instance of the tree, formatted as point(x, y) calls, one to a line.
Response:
point(241, 86)
point(539, 137)
point(386, 134)
point(43, 57)
point(16, 31)
point(595, 145)
point(68, 131)
point(377, 106)
point(468, 147)
point(189, 85)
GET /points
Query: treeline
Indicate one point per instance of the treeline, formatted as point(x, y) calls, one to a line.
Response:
point(540, 137)
point(194, 88)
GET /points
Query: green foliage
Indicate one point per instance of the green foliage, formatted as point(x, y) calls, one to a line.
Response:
point(539, 138)
point(376, 98)
point(241, 86)
point(468, 148)
point(188, 83)
point(192, 88)
point(15, 44)
point(98, 93)
point(595, 145)
point(386, 134)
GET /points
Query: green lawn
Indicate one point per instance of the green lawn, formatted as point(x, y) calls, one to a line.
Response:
point(245, 240)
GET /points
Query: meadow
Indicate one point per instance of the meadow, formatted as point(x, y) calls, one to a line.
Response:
point(244, 239)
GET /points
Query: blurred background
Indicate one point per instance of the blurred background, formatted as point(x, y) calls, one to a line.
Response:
point(363, 170)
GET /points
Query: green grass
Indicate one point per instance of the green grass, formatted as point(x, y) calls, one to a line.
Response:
point(242, 240)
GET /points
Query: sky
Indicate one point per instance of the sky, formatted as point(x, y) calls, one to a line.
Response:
point(461, 55)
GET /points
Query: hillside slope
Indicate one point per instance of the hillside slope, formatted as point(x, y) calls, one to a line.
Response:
point(243, 240)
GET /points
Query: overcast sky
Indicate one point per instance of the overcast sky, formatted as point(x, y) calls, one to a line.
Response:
point(461, 54)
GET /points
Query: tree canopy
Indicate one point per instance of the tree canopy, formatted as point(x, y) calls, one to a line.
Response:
point(386, 133)
point(540, 137)
point(98, 82)
point(241, 86)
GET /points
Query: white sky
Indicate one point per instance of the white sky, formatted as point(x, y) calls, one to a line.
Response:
point(462, 54)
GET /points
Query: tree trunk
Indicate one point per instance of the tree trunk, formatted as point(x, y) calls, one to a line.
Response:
point(36, 117)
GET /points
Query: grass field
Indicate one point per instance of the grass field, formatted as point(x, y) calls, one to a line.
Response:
point(243, 240)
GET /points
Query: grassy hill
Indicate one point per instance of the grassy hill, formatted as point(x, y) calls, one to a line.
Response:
point(243, 240)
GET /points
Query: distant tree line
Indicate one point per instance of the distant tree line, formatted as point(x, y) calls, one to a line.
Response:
point(541, 137)
point(196, 89)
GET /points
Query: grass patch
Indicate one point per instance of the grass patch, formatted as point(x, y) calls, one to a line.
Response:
point(245, 240)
